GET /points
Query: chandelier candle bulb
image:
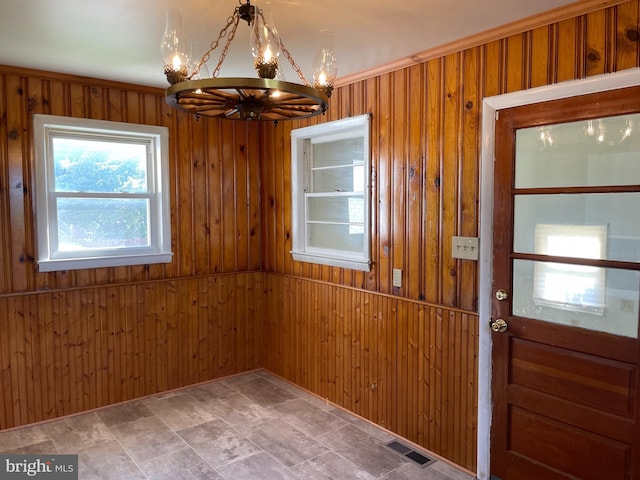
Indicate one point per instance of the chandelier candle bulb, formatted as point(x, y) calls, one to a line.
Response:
point(325, 66)
point(174, 48)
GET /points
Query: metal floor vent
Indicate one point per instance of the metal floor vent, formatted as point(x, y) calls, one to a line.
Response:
point(405, 451)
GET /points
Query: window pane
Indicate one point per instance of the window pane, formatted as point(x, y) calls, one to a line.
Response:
point(83, 165)
point(557, 212)
point(584, 153)
point(336, 209)
point(602, 299)
point(335, 237)
point(89, 223)
point(341, 152)
point(339, 179)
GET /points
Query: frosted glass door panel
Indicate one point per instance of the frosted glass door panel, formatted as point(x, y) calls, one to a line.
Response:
point(584, 153)
point(602, 299)
point(557, 218)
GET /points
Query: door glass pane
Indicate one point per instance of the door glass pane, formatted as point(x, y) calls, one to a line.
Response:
point(602, 299)
point(583, 223)
point(584, 153)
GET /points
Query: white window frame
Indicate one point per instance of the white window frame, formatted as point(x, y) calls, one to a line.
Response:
point(155, 138)
point(301, 141)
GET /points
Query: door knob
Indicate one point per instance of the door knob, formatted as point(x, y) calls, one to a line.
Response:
point(502, 295)
point(499, 326)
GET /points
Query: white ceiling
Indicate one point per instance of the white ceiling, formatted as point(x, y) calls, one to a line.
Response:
point(119, 39)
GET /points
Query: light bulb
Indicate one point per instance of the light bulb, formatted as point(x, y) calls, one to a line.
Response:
point(265, 46)
point(325, 65)
point(174, 48)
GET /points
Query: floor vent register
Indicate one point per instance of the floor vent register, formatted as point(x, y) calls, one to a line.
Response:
point(411, 454)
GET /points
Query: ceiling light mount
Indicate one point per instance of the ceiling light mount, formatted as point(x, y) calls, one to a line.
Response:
point(264, 98)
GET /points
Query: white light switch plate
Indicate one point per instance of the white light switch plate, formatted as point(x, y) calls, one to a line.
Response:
point(465, 248)
point(397, 277)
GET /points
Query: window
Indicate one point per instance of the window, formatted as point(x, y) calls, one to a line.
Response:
point(101, 193)
point(570, 287)
point(331, 191)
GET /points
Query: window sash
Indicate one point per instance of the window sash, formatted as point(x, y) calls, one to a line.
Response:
point(155, 190)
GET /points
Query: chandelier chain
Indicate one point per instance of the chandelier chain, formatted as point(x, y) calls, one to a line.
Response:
point(232, 20)
point(294, 65)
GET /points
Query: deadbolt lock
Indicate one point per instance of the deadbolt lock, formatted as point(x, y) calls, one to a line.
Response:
point(502, 295)
point(499, 326)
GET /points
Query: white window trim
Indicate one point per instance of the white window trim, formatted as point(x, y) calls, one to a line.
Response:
point(49, 258)
point(326, 132)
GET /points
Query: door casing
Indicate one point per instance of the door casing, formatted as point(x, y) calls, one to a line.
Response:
point(491, 106)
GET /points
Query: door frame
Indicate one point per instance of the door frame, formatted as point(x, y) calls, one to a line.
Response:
point(491, 105)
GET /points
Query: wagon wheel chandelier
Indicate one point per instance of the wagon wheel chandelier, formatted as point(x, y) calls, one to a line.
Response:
point(263, 98)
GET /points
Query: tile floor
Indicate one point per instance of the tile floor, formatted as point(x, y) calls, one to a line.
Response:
point(250, 426)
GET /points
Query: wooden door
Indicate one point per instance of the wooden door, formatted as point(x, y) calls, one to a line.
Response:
point(566, 284)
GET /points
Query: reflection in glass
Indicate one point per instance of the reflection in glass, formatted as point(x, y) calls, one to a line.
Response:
point(570, 287)
point(564, 213)
point(584, 153)
point(607, 304)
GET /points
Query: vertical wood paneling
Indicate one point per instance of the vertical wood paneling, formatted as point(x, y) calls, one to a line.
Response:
point(407, 366)
point(80, 349)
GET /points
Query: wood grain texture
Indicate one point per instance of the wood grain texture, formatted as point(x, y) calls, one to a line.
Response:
point(408, 366)
point(401, 357)
point(74, 350)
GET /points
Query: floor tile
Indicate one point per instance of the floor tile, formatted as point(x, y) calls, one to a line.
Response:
point(180, 411)
point(147, 438)
point(77, 432)
point(415, 472)
point(285, 443)
point(218, 443)
point(363, 450)
point(259, 466)
point(45, 447)
point(181, 465)
point(209, 391)
point(124, 413)
point(239, 411)
point(307, 417)
point(107, 461)
point(263, 392)
point(13, 439)
point(330, 466)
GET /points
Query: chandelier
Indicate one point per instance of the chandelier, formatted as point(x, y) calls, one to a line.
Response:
point(263, 98)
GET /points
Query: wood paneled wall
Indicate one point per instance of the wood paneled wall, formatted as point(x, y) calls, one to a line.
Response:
point(214, 177)
point(426, 150)
point(338, 332)
point(404, 358)
point(405, 365)
point(73, 350)
point(76, 340)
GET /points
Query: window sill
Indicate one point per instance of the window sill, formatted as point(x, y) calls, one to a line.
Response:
point(99, 262)
point(361, 265)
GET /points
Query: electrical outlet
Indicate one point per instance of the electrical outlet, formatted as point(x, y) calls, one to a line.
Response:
point(397, 277)
point(465, 248)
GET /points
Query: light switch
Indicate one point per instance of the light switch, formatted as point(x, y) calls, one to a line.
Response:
point(397, 277)
point(465, 248)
